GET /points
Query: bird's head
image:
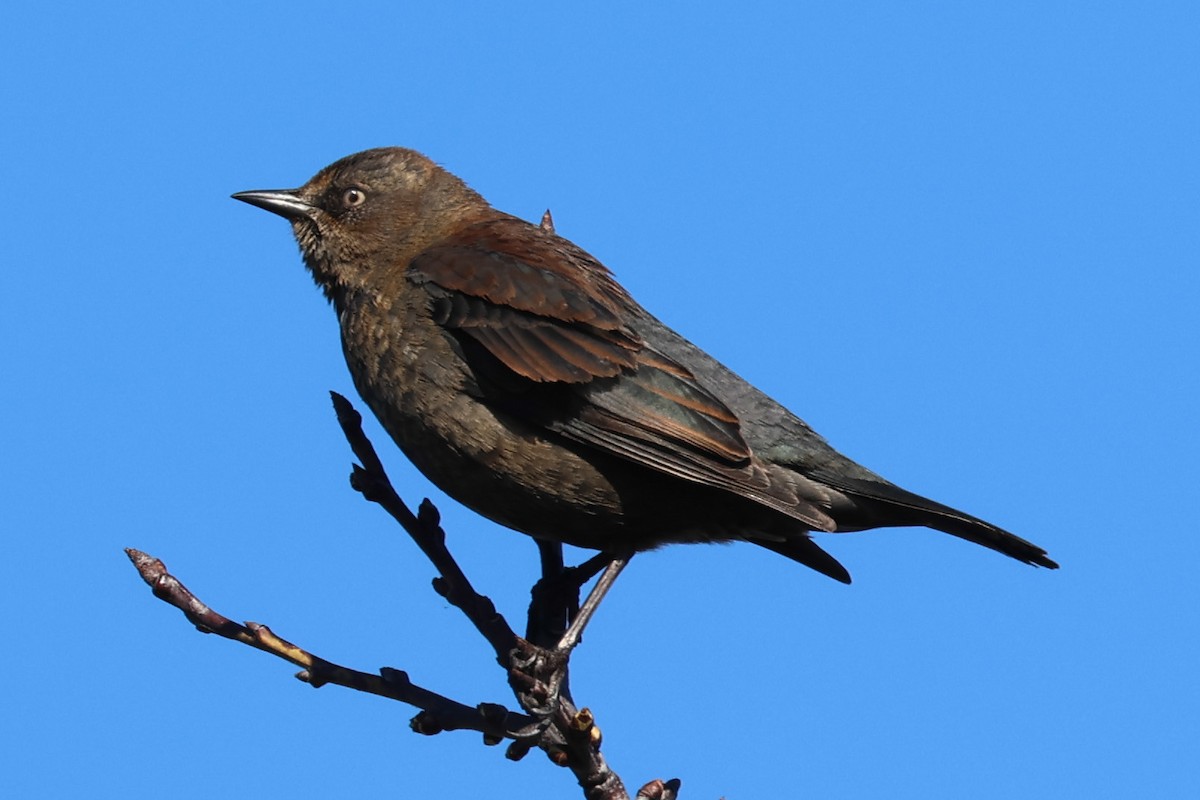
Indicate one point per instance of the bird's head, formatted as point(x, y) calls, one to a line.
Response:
point(368, 212)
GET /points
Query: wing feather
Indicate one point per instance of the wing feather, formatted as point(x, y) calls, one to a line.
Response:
point(544, 310)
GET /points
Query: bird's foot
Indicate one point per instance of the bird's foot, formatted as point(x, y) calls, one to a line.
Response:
point(538, 675)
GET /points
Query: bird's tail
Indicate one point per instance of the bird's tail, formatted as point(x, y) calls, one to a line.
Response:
point(976, 530)
point(884, 504)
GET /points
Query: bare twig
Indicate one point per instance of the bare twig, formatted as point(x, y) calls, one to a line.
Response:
point(371, 480)
point(538, 676)
point(438, 713)
point(537, 668)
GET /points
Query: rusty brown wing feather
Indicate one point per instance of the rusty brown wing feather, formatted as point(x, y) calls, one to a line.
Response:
point(553, 317)
point(544, 316)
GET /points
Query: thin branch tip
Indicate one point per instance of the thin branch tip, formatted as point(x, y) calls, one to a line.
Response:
point(149, 567)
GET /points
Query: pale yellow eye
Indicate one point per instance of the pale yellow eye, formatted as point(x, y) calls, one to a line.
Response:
point(354, 197)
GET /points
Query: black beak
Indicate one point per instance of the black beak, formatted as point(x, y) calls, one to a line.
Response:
point(284, 202)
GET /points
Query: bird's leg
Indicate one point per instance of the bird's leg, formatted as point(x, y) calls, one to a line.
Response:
point(539, 671)
point(555, 597)
point(575, 632)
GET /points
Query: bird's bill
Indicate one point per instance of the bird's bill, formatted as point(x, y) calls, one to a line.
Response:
point(284, 202)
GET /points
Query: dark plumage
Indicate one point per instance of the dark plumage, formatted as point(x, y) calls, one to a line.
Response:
point(519, 376)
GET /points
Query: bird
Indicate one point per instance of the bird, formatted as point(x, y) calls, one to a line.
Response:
point(518, 375)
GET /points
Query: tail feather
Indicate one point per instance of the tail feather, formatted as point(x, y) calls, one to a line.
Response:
point(799, 547)
point(976, 530)
point(877, 505)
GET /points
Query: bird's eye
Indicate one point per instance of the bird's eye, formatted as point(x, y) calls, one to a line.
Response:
point(353, 197)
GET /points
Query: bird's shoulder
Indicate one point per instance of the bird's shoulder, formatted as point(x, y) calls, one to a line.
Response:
point(513, 264)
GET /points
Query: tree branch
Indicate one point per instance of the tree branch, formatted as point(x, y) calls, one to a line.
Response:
point(438, 713)
point(371, 480)
point(537, 666)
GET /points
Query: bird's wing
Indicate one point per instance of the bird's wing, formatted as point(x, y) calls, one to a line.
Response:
point(555, 338)
point(545, 316)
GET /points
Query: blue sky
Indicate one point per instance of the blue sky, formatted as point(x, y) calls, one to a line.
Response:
point(961, 240)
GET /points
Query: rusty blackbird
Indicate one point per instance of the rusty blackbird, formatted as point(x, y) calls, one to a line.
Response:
point(520, 377)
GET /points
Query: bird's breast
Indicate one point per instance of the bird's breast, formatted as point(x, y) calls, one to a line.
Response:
point(413, 377)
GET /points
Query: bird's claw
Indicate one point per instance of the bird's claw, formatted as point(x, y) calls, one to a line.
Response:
point(538, 675)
